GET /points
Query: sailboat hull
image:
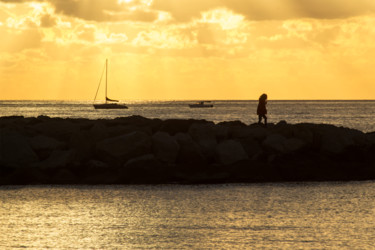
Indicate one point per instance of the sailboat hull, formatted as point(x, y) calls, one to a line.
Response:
point(110, 106)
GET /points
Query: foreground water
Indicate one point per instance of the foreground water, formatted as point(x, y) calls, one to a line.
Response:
point(353, 114)
point(271, 216)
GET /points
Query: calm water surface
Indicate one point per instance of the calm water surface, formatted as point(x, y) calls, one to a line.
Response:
point(353, 114)
point(268, 216)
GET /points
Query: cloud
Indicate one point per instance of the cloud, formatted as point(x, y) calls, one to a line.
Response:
point(100, 10)
point(47, 21)
point(16, 42)
point(184, 10)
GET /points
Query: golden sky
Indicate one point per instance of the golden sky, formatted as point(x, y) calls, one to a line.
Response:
point(187, 49)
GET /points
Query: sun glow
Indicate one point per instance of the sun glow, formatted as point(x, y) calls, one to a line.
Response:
point(216, 49)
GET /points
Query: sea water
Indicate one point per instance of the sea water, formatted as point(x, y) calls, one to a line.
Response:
point(353, 114)
point(252, 216)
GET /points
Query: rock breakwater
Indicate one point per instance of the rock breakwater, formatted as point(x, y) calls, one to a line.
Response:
point(137, 150)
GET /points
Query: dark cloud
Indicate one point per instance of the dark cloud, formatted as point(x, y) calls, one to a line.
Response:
point(184, 10)
point(47, 21)
point(101, 10)
point(98, 10)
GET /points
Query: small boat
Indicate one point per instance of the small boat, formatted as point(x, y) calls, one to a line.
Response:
point(201, 105)
point(109, 103)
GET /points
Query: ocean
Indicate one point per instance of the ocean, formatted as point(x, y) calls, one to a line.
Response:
point(352, 114)
point(248, 216)
point(335, 215)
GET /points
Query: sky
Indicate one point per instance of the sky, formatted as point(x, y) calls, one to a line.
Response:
point(187, 49)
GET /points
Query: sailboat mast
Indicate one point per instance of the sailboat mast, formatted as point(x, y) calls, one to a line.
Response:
point(106, 77)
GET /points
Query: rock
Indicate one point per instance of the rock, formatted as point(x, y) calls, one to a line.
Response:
point(42, 142)
point(64, 176)
point(125, 147)
point(15, 150)
point(232, 124)
point(57, 159)
point(204, 136)
point(229, 152)
point(274, 142)
point(281, 123)
point(98, 132)
point(257, 132)
point(95, 164)
point(144, 169)
point(98, 172)
point(251, 146)
point(140, 161)
point(334, 140)
point(134, 120)
point(303, 133)
point(294, 144)
point(83, 145)
point(133, 149)
point(165, 147)
point(284, 129)
point(190, 152)
point(243, 132)
point(371, 137)
point(174, 126)
point(56, 128)
point(221, 132)
point(126, 129)
point(25, 176)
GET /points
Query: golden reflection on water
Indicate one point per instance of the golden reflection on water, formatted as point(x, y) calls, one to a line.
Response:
point(290, 216)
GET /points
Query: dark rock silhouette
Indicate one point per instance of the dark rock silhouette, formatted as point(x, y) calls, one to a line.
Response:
point(136, 150)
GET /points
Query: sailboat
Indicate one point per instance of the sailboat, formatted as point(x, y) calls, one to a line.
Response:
point(109, 103)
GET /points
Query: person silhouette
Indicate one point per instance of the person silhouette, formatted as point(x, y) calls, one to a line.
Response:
point(262, 110)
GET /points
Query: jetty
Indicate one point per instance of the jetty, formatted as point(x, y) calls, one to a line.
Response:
point(138, 150)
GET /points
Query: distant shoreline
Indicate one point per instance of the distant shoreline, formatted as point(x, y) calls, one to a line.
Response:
point(138, 150)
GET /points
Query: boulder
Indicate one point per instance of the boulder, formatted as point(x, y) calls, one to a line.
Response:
point(254, 131)
point(64, 176)
point(232, 124)
point(274, 142)
point(229, 152)
point(294, 144)
point(174, 126)
point(56, 128)
point(144, 169)
point(251, 146)
point(283, 129)
point(334, 140)
point(134, 120)
point(221, 132)
point(15, 150)
point(57, 159)
point(243, 132)
point(124, 147)
point(139, 162)
point(126, 129)
point(371, 137)
point(24, 176)
point(83, 145)
point(204, 136)
point(303, 133)
point(95, 164)
point(98, 131)
point(190, 152)
point(42, 142)
point(165, 147)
